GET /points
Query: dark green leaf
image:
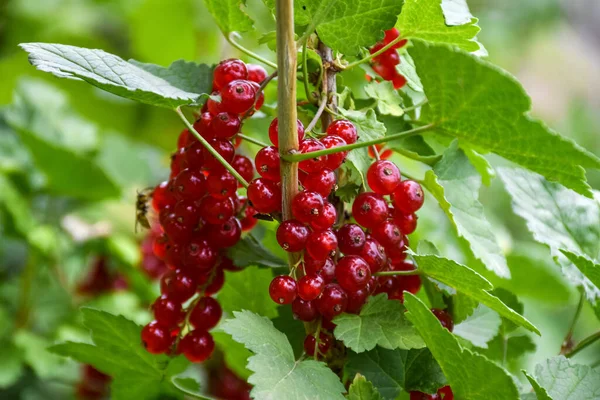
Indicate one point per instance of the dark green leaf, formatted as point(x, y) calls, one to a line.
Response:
point(249, 251)
point(248, 290)
point(11, 366)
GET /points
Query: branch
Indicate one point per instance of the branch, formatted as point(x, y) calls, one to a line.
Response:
point(322, 105)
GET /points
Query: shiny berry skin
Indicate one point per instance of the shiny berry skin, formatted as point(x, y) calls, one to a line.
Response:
point(389, 58)
point(202, 126)
point(356, 300)
point(200, 255)
point(283, 289)
point(258, 101)
point(398, 81)
point(178, 162)
point(310, 343)
point(396, 253)
point(390, 36)
point(307, 206)
point(267, 163)
point(225, 125)
point(237, 96)
point(312, 164)
point(335, 160)
point(197, 345)
point(214, 107)
point(322, 244)
point(389, 285)
point(406, 222)
point(256, 73)
point(408, 197)
point(325, 269)
point(344, 129)
point(160, 244)
point(176, 229)
point(178, 285)
point(206, 314)
point(216, 211)
point(226, 234)
point(274, 132)
point(162, 197)
point(248, 221)
point(444, 393)
point(167, 311)
point(310, 287)
point(221, 184)
point(351, 239)
point(194, 156)
point(156, 338)
point(227, 71)
point(216, 282)
point(332, 301)
point(265, 195)
point(369, 209)
point(292, 235)
point(174, 257)
point(243, 166)
point(383, 177)
point(322, 182)
point(326, 219)
point(374, 254)
point(304, 310)
point(444, 318)
point(185, 139)
point(352, 273)
point(387, 234)
point(224, 148)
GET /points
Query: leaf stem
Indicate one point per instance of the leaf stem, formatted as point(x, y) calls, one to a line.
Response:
point(583, 344)
point(567, 343)
point(398, 273)
point(296, 157)
point(211, 149)
point(315, 119)
point(230, 39)
point(252, 140)
point(414, 107)
point(371, 56)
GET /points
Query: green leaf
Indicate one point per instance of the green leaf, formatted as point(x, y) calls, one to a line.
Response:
point(183, 83)
point(381, 323)
point(236, 355)
point(480, 327)
point(469, 282)
point(332, 19)
point(408, 70)
point(540, 392)
point(588, 268)
point(508, 349)
point(392, 371)
point(486, 108)
point(424, 19)
point(249, 251)
point(188, 386)
point(248, 290)
point(455, 183)
point(16, 205)
point(11, 367)
point(35, 353)
point(362, 389)
point(481, 164)
point(277, 375)
point(564, 380)
point(389, 101)
point(471, 376)
point(229, 15)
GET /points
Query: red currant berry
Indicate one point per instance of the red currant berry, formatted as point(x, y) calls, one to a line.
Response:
point(390, 36)
point(237, 96)
point(312, 266)
point(384, 155)
point(387, 72)
point(226, 234)
point(214, 107)
point(406, 222)
point(389, 58)
point(224, 148)
point(408, 197)
point(216, 211)
point(267, 163)
point(445, 393)
point(398, 81)
point(206, 314)
point(248, 221)
point(283, 289)
point(344, 129)
point(216, 282)
point(304, 310)
point(258, 101)
point(199, 254)
point(332, 301)
point(265, 195)
point(194, 156)
point(174, 257)
point(184, 140)
point(274, 132)
point(322, 244)
point(396, 253)
point(225, 125)
point(313, 164)
point(369, 209)
point(178, 285)
point(326, 219)
point(167, 311)
point(162, 197)
point(197, 346)
point(189, 184)
point(356, 300)
point(383, 177)
point(227, 71)
point(322, 182)
point(256, 73)
point(187, 213)
point(335, 160)
point(243, 166)
point(292, 235)
point(310, 287)
point(202, 126)
point(444, 318)
point(221, 184)
point(310, 342)
point(176, 229)
point(178, 162)
point(156, 338)
point(160, 245)
point(307, 206)
point(228, 265)
point(387, 234)
point(352, 273)
point(351, 239)
point(374, 254)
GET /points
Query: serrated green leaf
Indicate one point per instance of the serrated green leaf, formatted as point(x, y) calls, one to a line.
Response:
point(249, 251)
point(508, 349)
point(540, 392)
point(589, 268)
point(248, 290)
point(388, 100)
point(455, 183)
point(469, 282)
point(471, 376)
point(229, 15)
point(182, 83)
point(277, 375)
point(362, 389)
point(565, 380)
point(486, 108)
point(481, 164)
point(381, 323)
point(480, 327)
point(456, 12)
point(392, 371)
point(424, 19)
point(408, 70)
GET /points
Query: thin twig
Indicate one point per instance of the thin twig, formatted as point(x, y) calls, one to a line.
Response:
point(252, 140)
point(398, 273)
point(315, 119)
point(567, 343)
point(248, 52)
point(583, 344)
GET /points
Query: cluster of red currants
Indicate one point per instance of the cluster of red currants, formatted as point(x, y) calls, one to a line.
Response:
point(385, 63)
point(152, 266)
point(201, 215)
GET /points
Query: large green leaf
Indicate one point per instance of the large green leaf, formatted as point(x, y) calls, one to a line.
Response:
point(424, 19)
point(248, 290)
point(182, 83)
point(471, 376)
point(588, 268)
point(480, 327)
point(392, 371)
point(277, 375)
point(229, 15)
point(455, 183)
point(563, 380)
point(362, 389)
point(486, 108)
point(470, 283)
point(381, 323)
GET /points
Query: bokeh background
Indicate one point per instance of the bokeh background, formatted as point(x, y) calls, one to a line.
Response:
point(552, 46)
